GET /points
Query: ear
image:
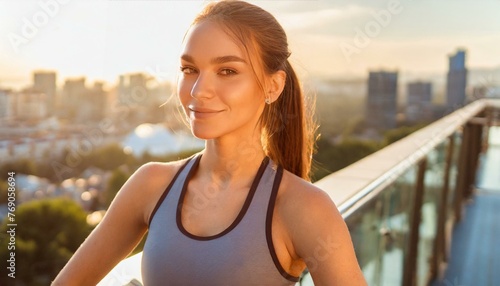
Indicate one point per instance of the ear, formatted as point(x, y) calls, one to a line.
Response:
point(276, 85)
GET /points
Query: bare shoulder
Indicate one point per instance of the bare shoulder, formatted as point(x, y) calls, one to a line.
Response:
point(317, 232)
point(306, 212)
point(148, 183)
point(298, 197)
point(158, 172)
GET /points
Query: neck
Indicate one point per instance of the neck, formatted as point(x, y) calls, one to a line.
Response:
point(232, 161)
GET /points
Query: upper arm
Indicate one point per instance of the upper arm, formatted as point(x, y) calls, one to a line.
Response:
point(119, 232)
point(323, 241)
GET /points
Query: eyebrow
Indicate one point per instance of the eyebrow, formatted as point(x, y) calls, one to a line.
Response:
point(217, 60)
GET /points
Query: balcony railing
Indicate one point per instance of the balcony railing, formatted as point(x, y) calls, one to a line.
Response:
point(402, 202)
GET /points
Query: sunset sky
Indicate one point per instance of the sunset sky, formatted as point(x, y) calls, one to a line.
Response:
point(103, 39)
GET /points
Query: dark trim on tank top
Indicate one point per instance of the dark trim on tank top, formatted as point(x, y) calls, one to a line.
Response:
point(241, 214)
point(167, 189)
point(269, 221)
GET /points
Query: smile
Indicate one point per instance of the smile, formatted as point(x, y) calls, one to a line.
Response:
point(200, 113)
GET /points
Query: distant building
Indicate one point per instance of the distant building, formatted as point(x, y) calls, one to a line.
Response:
point(73, 92)
point(31, 105)
point(82, 103)
point(97, 99)
point(137, 80)
point(456, 81)
point(381, 105)
point(479, 92)
point(7, 105)
point(419, 106)
point(132, 89)
point(143, 103)
point(45, 82)
point(482, 91)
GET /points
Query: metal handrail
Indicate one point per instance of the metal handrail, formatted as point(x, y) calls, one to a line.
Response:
point(433, 135)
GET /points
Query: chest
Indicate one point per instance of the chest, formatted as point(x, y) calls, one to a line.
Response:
point(207, 209)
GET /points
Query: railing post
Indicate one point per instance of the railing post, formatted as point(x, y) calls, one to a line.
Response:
point(462, 172)
point(469, 158)
point(410, 266)
point(490, 113)
point(440, 253)
point(473, 157)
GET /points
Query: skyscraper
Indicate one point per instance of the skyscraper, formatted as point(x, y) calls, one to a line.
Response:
point(30, 105)
point(7, 104)
point(45, 82)
point(381, 101)
point(419, 102)
point(456, 81)
point(74, 92)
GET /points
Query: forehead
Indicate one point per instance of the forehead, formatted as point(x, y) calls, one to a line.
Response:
point(209, 39)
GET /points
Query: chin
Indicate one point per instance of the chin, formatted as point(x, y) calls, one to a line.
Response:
point(203, 133)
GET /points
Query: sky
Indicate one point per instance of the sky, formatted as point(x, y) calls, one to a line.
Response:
point(328, 38)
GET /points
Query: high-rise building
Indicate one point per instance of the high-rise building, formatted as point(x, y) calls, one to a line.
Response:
point(84, 104)
point(97, 100)
point(381, 105)
point(30, 105)
point(45, 82)
point(456, 81)
point(132, 89)
point(419, 102)
point(74, 91)
point(7, 104)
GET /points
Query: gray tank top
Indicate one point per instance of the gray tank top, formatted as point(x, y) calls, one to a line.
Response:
point(242, 254)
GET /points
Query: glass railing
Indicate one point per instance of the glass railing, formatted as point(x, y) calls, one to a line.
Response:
point(401, 203)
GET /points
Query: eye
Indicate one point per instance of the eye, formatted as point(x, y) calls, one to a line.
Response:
point(187, 70)
point(227, 72)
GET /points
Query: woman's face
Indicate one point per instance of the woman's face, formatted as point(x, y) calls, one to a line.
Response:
point(217, 86)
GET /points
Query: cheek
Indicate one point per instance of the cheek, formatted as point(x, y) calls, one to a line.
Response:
point(183, 91)
point(243, 93)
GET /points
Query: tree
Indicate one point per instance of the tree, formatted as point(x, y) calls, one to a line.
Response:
point(331, 158)
point(47, 234)
point(108, 157)
point(22, 166)
point(3, 191)
point(118, 178)
point(396, 134)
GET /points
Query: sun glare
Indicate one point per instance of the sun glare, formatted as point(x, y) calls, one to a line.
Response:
point(144, 130)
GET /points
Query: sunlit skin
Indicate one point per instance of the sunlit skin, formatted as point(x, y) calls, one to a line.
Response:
point(218, 88)
point(223, 100)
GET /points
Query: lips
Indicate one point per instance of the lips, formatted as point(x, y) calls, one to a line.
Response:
point(202, 112)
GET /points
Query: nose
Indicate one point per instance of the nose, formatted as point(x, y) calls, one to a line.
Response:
point(203, 87)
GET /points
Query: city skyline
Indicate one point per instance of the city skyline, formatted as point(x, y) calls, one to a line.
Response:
point(102, 39)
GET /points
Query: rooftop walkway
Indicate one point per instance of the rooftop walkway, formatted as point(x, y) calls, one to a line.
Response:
point(475, 248)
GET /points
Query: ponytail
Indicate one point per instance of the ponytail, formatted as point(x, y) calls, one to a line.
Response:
point(288, 129)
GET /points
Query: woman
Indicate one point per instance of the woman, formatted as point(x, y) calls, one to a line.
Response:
point(242, 211)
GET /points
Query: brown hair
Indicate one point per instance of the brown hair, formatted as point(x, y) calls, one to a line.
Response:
point(288, 132)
